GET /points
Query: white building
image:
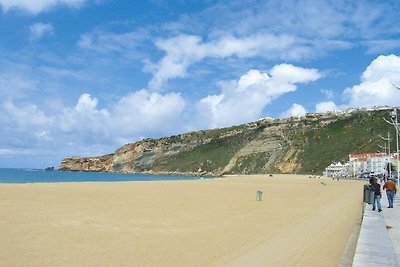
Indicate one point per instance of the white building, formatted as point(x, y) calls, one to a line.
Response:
point(377, 164)
point(337, 170)
point(360, 164)
point(368, 163)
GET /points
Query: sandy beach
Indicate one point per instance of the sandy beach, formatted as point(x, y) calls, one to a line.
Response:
point(217, 222)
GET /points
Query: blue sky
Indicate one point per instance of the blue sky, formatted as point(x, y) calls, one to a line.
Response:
point(83, 77)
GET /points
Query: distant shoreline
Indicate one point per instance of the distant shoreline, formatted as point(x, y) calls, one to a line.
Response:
point(19, 176)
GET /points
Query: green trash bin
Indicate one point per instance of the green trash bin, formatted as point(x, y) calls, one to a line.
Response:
point(259, 195)
point(368, 194)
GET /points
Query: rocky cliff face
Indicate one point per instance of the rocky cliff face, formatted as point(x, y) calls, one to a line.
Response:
point(264, 146)
point(137, 157)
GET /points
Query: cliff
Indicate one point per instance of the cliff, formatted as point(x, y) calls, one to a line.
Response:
point(294, 145)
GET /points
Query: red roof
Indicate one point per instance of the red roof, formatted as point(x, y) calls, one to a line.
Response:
point(366, 155)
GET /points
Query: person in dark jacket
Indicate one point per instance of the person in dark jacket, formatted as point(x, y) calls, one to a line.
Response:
point(377, 194)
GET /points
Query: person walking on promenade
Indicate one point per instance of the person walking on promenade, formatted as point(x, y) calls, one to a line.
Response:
point(391, 190)
point(377, 194)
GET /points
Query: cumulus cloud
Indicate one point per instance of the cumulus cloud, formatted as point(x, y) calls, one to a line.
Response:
point(84, 127)
point(185, 50)
point(86, 104)
point(39, 30)
point(296, 110)
point(244, 99)
point(376, 87)
point(26, 117)
point(326, 106)
point(37, 6)
point(144, 112)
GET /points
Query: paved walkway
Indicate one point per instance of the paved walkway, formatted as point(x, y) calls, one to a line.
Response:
point(379, 241)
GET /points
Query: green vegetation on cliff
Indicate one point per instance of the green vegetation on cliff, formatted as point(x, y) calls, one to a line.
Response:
point(207, 157)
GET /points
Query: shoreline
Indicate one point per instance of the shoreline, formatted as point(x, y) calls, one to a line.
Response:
point(208, 222)
point(21, 176)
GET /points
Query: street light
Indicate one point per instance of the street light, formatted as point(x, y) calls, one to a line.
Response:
point(383, 154)
point(395, 122)
point(388, 139)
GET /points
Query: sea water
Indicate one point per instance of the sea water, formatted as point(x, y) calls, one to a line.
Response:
point(42, 176)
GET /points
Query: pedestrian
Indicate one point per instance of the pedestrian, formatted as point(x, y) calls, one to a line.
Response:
point(377, 194)
point(391, 190)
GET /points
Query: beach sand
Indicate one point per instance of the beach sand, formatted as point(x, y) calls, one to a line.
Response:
point(217, 222)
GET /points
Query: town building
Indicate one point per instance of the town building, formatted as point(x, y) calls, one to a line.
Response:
point(337, 170)
point(369, 163)
point(362, 164)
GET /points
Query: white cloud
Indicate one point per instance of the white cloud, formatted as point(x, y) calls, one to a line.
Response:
point(376, 87)
point(85, 126)
point(323, 107)
point(147, 113)
point(86, 104)
point(244, 99)
point(39, 30)
point(296, 110)
point(84, 123)
point(26, 117)
point(289, 74)
point(185, 50)
point(181, 51)
point(38, 6)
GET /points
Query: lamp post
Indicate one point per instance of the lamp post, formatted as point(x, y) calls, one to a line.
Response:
point(396, 125)
point(395, 122)
point(390, 156)
point(382, 157)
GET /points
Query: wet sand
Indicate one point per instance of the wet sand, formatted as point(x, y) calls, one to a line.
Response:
point(218, 222)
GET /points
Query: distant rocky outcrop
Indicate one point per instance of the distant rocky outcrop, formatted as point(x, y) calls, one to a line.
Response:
point(293, 145)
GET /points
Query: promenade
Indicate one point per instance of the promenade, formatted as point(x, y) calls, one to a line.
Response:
point(379, 240)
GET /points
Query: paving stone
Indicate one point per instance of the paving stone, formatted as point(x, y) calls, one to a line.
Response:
point(377, 245)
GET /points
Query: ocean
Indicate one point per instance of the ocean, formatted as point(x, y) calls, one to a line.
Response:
point(42, 176)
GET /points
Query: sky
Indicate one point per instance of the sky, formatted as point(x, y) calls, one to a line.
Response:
point(84, 77)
